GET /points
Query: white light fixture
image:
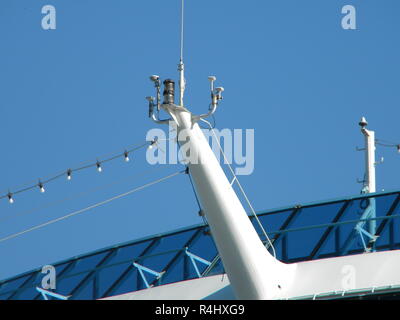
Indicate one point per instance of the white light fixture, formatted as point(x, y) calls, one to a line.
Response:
point(152, 143)
point(40, 185)
point(126, 156)
point(99, 169)
point(10, 198)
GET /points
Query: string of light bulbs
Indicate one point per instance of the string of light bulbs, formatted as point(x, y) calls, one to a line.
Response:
point(98, 204)
point(68, 173)
point(81, 194)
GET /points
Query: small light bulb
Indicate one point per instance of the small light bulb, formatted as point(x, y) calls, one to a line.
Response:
point(99, 169)
point(69, 172)
point(126, 156)
point(398, 148)
point(10, 198)
point(152, 144)
point(41, 187)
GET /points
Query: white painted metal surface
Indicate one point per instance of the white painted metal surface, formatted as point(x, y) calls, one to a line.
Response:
point(370, 180)
point(253, 272)
point(367, 270)
point(341, 274)
point(214, 287)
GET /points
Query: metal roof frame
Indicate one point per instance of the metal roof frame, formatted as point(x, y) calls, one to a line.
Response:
point(198, 233)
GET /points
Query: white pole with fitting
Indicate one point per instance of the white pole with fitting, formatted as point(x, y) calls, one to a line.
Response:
point(370, 179)
point(253, 272)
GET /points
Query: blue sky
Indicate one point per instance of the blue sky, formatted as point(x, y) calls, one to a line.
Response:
point(74, 94)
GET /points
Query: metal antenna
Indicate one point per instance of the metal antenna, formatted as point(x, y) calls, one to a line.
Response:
point(181, 66)
point(182, 8)
point(368, 187)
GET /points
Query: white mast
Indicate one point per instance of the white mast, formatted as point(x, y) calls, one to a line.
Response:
point(369, 135)
point(252, 271)
point(369, 179)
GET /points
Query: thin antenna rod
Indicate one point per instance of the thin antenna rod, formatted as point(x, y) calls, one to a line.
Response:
point(182, 8)
point(181, 66)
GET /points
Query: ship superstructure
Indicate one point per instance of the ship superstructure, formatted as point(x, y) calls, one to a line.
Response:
point(187, 259)
point(337, 249)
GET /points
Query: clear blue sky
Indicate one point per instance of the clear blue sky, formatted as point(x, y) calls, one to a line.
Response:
point(76, 93)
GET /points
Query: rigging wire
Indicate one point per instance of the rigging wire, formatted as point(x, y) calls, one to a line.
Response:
point(197, 199)
point(214, 122)
point(389, 144)
point(241, 189)
point(98, 204)
point(386, 141)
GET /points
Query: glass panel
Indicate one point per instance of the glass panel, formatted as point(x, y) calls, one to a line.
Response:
point(12, 284)
point(129, 284)
point(204, 247)
point(301, 243)
point(316, 215)
point(87, 263)
point(389, 236)
point(355, 209)
point(4, 296)
point(396, 233)
point(172, 242)
point(109, 275)
point(158, 263)
point(329, 245)
point(86, 293)
point(383, 205)
point(271, 222)
point(67, 284)
point(179, 271)
point(128, 254)
point(28, 294)
point(28, 289)
point(61, 267)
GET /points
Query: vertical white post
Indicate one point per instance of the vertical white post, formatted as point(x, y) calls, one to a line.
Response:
point(181, 69)
point(370, 182)
point(370, 155)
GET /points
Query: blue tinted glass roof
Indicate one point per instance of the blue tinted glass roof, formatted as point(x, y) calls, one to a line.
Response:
point(298, 233)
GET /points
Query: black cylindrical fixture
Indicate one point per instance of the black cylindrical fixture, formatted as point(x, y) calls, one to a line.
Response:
point(169, 91)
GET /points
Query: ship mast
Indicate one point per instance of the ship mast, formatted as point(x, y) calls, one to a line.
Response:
point(253, 272)
point(369, 182)
point(369, 136)
point(181, 66)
